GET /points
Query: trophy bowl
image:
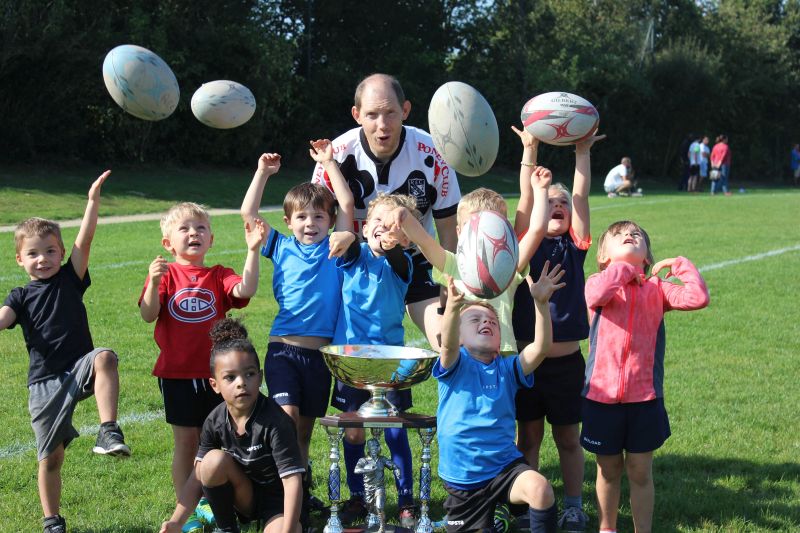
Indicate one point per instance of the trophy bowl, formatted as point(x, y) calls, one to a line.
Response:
point(378, 369)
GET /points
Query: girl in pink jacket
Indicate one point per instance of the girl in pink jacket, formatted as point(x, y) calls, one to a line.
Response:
point(623, 406)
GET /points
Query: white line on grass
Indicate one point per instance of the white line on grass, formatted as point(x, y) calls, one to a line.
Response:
point(756, 257)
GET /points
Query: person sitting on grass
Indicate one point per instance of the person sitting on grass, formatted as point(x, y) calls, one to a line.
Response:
point(624, 419)
point(619, 180)
point(248, 461)
point(65, 366)
point(478, 461)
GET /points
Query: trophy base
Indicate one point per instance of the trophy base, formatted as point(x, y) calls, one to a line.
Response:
point(389, 528)
point(377, 406)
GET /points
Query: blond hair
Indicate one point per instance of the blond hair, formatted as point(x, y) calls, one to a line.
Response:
point(180, 211)
point(36, 227)
point(615, 229)
point(481, 199)
point(480, 303)
point(394, 201)
point(561, 190)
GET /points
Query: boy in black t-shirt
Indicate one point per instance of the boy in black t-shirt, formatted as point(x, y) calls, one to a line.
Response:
point(249, 461)
point(65, 367)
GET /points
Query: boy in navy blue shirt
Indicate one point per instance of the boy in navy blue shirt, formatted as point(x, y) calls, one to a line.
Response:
point(65, 367)
point(478, 461)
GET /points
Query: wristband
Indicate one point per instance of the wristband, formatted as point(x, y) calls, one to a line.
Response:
point(440, 310)
point(524, 164)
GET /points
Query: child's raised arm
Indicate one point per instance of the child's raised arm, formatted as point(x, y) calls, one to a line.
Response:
point(83, 242)
point(580, 188)
point(690, 296)
point(268, 164)
point(540, 182)
point(255, 233)
point(403, 219)
point(321, 151)
point(451, 320)
point(548, 283)
point(530, 147)
point(7, 317)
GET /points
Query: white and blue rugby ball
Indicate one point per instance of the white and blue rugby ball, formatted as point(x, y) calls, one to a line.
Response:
point(223, 104)
point(140, 82)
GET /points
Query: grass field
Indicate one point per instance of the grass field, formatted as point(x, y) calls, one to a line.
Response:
point(731, 369)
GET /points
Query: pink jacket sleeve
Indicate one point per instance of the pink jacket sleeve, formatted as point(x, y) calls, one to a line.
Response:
point(601, 287)
point(693, 294)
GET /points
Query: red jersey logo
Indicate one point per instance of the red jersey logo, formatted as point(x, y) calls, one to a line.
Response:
point(192, 304)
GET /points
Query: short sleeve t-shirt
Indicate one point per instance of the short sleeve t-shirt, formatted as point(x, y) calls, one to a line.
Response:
point(53, 321)
point(373, 300)
point(307, 286)
point(615, 177)
point(192, 299)
point(476, 417)
point(267, 452)
point(503, 304)
point(416, 169)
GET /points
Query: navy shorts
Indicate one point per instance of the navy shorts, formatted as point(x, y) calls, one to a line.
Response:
point(422, 286)
point(187, 402)
point(470, 510)
point(348, 399)
point(297, 376)
point(556, 392)
point(634, 427)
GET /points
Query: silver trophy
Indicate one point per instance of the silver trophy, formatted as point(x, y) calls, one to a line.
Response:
point(378, 369)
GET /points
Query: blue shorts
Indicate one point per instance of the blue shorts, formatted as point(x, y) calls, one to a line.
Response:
point(348, 399)
point(297, 376)
point(634, 427)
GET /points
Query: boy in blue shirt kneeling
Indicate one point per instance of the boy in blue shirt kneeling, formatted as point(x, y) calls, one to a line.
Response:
point(478, 461)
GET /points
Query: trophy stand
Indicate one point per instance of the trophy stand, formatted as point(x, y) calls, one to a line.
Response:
point(335, 425)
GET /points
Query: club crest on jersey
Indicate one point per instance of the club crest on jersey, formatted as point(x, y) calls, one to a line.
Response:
point(192, 304)
point(416, 187)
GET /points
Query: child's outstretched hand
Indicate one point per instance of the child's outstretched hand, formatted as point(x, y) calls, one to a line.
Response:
point(394, 237)
point(661, 265)
point(583, 147)
point(455, 298)
point(321, 150)
point(541, 178)
point(158, 268)
point(528, 140)
point(94, 190)
point(255, 234)
point(548, 283)
point(269, 163)
point(339, 242)
point(395, 218)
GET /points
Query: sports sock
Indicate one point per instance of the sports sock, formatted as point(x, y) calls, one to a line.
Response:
point(544, 520)
point(352, 453)
point(397, 442)
point(573, 501)
point(221, 499)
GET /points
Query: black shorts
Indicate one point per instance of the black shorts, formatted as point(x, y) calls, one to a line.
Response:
point(187, 402)
point(267, 502)
point(422, 286)
point(694, 170)
point(468, 510)
point(297, 376)
point(348, 399)
point(635, 427)
point(556, 392)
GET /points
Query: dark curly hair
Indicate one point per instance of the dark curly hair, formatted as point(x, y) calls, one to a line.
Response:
point(229, 335)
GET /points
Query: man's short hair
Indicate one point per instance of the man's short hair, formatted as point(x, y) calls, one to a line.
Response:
point(181, 211)
point(398, 90)
point(309, 194)
point(36, 227)
point(481, 199)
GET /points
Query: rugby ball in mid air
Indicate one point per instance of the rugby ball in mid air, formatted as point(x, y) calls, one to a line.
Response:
point(487, 254)
point(140, 82)
point(463, 128)
point(223, 104)
point(560, 118)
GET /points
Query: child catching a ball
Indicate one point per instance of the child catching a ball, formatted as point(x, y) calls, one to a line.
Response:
point(557, 395)
point(185, 298)
point(624, 419)
point(248, 461)
point(478, 461)
point(307, 288)
point(65, 366)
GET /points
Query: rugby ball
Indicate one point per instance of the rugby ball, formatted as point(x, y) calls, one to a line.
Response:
point(560, 118)
point(223, 104)
point(140, 82)
point(487, 254)
point(463, 128)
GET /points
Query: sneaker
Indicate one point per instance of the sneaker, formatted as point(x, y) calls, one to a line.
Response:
point(204, 513)
point(572, 520)
point(55, 524)
point(193, 524)
point(637, 194)
point(612, 195)
point(110, 441)
point(502, 518)
point(354, 510)
point(408, 516)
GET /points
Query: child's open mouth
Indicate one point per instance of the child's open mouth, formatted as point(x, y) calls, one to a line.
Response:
point(558, 215)
point(486, 331)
